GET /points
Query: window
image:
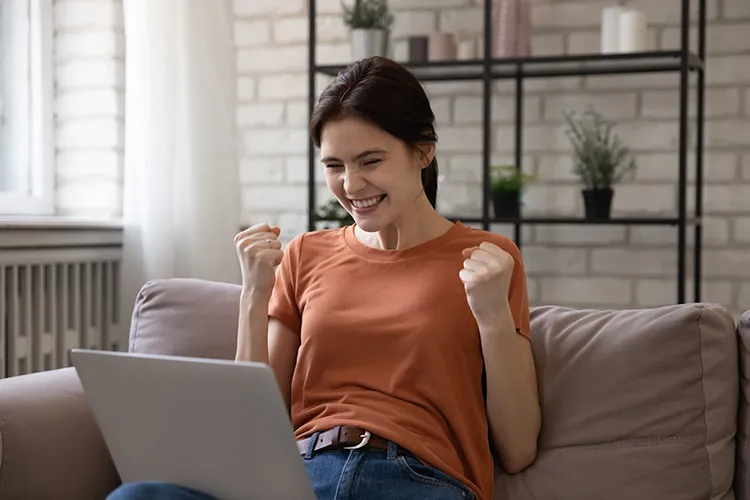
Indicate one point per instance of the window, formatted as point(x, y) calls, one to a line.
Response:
point(26, 133)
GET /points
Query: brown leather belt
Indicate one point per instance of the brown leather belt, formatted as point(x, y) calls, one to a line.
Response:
point(344, 437)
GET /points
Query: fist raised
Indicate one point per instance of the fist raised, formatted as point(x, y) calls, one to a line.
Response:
point(259, 252)
point(486, 276)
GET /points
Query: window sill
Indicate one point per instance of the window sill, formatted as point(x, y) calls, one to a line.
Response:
point(28, 233)
point(57, 222)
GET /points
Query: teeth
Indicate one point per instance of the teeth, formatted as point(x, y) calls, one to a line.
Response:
point(367, 202)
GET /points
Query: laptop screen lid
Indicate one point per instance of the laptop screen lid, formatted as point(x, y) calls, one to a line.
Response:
point(217, 426)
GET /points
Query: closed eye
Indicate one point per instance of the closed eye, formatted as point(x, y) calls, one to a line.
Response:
point(333, 165)
point(370, 163)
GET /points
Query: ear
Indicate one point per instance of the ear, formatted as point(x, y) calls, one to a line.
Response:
point(425, 154)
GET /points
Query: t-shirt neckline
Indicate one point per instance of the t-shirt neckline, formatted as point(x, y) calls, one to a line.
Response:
point(394, 255)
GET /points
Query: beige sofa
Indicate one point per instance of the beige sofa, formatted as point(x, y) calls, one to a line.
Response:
point(641, 404)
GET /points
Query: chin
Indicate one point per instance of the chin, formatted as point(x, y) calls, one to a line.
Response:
point(368, 225)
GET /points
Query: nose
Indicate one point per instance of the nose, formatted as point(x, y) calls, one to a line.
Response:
point(353, 181)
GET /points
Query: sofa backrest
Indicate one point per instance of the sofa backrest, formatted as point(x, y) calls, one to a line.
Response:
point(186, 317)
point(635, 404)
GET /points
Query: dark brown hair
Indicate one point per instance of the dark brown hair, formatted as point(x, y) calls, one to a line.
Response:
point(386, 94)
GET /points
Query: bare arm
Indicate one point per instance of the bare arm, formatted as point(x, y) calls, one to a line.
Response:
point(265, 340)
point(513, 407)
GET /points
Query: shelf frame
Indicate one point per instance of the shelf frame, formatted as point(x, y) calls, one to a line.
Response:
point(547, 66)
point(486, 70)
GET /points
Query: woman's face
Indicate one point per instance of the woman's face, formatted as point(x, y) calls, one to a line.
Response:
point(375, 176)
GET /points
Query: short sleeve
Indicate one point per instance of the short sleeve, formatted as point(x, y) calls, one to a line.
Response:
point(518, 295)
point(284, 304)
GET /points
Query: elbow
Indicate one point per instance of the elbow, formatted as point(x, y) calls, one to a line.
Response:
point(524, 451)
point(520, 460)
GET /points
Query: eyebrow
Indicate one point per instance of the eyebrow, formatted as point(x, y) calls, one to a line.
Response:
point(358, 157)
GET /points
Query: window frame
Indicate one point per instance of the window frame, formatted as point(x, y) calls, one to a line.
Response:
point(40, 198)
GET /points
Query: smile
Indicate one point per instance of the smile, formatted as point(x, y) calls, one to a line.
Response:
point(367, 202)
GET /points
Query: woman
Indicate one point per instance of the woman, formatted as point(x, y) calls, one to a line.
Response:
point(405, 335)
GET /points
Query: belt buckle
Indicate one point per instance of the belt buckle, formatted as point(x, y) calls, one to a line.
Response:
point(365, 440)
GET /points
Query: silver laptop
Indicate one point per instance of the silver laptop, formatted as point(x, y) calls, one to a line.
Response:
point(220, 427)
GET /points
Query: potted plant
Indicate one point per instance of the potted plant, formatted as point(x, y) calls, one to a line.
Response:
point(506, 187)
point(332, 215)
point(370, 22)
point(600, 160)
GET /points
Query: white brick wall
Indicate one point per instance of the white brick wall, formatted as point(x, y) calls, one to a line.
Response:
point(572, 265)
point(575, 265)
point(89, 106)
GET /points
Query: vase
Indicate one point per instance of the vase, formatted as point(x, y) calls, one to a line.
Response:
point(506, 204)
point(442, 47)
point(598, 203)
point(369, 43)
point(511, 28)
point(418, 49)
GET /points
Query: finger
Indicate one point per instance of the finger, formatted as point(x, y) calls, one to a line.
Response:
point(475, 265)
point(256, 228)
point(493, 249)
point(272, 256)
point(267, 235)
point(248, 243)
point(261, 227)
point(467, 276)
point(468, 251)
point(258, 237)
point(276, 230)
point(484, 256)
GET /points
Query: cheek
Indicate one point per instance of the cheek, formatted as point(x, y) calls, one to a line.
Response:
point(332, 180)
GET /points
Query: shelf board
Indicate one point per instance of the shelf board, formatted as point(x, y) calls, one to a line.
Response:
point(546, 66)
point(643, 221)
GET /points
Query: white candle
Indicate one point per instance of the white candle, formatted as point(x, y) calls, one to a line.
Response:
point(611, 29)
point(467, 49)
point(633, 31)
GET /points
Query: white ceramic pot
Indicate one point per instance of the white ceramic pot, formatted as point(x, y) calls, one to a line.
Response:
point(369, 43)
point(442, 47)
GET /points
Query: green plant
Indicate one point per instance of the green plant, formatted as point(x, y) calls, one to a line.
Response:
point(333, 214)
point(600, 159)
point(368, 14)
point(508, 178)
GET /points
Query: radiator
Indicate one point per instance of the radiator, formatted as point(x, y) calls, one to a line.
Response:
point(58, 290)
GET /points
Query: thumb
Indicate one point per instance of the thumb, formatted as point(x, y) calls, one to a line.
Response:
point(276, 230)
point(468, 251)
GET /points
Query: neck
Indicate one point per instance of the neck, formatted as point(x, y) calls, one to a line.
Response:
point(421, 224)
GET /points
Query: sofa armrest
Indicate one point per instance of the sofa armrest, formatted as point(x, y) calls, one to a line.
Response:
point(742, 463)
point(50, 444)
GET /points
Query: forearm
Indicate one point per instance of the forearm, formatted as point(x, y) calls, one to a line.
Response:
point(252, 329)
point(512, 397)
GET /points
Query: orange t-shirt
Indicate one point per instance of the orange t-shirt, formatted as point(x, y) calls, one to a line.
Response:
point(389, 344)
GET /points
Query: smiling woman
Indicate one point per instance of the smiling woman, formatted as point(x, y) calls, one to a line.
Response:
point(376, 132)
point(400, 342)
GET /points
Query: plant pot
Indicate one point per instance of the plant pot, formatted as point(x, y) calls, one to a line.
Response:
point(598, 203)
point(506, 204)
point(369, 43)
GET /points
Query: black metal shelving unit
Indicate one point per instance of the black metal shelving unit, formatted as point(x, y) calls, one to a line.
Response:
point(683, 62)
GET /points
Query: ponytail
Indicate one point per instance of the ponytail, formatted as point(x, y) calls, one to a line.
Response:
point(430, 182)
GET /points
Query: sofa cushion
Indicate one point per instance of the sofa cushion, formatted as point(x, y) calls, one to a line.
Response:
point(635, 404)
point(186, 317)
point(742, 477)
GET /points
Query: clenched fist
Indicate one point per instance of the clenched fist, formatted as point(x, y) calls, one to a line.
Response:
point(259, 252)
point(486, 276)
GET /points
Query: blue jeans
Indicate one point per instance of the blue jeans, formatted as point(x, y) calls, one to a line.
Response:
point(341, 475)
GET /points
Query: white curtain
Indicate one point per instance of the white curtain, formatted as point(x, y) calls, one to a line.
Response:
point(181, 176)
